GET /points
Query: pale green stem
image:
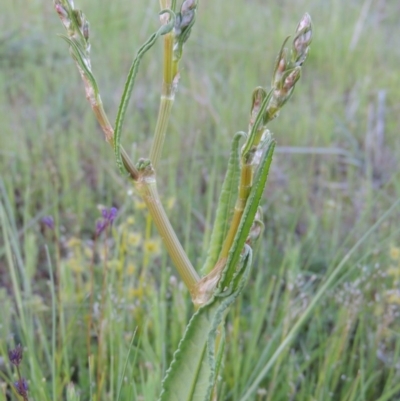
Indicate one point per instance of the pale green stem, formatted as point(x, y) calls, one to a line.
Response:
point(164, 4)
point(161, 129)
point(170, 74)
point(109, 134)
point(246, 181)
point(147, 188)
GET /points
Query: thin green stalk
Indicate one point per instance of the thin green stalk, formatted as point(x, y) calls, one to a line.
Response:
point(100, 365)
point(148, 190)
point(167, 100)
point(161, 129)
point(98, 110)
point(53, 325)
point(164, 4)
point(167, 63)
point(246, 181)
point(10, 245)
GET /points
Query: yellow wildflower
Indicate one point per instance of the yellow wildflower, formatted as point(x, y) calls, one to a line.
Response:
point(393, 297)
point(131, 269)
point(394, 272)
point(73, 242)
point(133, 239)
point(88, 252)
point(136, 293)
point(130, 221)
point(394, 252)
point(152, 246)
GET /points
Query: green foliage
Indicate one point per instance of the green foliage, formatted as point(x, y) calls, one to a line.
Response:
point(249, 214)
point(225, 207)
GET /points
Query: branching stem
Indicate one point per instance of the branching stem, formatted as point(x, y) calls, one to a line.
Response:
point(147, 188)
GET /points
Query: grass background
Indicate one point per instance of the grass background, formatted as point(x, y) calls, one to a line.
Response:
point(334, 175)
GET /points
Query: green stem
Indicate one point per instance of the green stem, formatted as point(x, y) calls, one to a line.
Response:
point(246, 181)
point(147, 188)
point(109, 134)
point(161, 129)
point(170, 72)
point(101, 116)
point(164, 4)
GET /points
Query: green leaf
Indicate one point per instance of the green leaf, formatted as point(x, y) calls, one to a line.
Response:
point(193, 371)
point(226, 205)
point(129, 86)
point(249, 213)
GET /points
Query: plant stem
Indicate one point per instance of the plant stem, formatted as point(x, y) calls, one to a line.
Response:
point(101, 116)
point(161, 129)
point(109, 134)
point(164, 4)
point(170, 73)
point(147, 188)
point(246, 181)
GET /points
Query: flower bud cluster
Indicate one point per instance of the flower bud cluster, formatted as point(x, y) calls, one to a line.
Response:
point(76, 25)
point(21, 386)
point(302, 40)
point(108, 217)
point(288, 67)
point(15, 355)
point(266, 106)
point(183, 25)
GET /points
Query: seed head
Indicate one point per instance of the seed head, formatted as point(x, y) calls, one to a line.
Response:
point(302, 40)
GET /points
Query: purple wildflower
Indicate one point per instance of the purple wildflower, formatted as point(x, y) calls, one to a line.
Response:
point(48, 221)
point(108, 216)
point(22, 387)
point(15, 355)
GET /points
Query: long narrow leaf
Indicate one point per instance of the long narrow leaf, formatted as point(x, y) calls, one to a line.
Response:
point(226, 205)
point(249, 214)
